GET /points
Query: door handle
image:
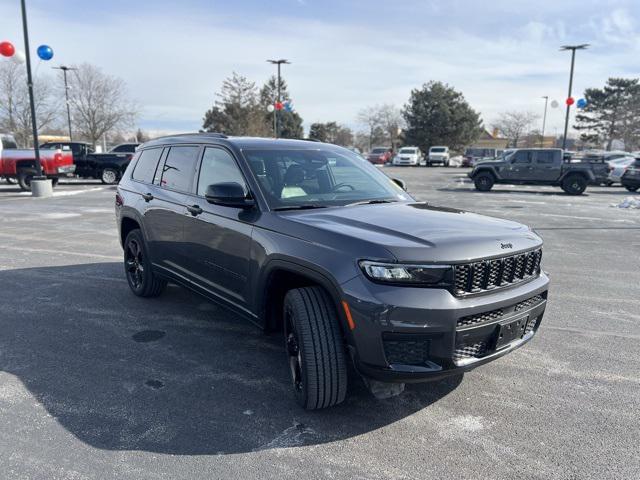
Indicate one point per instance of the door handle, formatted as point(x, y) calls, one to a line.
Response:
point(147, 197)
point(194, 210)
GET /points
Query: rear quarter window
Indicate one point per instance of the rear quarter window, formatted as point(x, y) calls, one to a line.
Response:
point(146, 165)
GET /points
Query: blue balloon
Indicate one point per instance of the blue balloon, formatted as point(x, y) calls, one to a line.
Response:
point(581, 103)
point(45, 52)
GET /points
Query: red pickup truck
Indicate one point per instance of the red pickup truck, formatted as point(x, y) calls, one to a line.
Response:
point(20, 164)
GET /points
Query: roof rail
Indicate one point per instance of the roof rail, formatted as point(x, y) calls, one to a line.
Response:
point(209, 134)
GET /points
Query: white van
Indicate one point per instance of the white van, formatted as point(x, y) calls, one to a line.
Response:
point(438, 155)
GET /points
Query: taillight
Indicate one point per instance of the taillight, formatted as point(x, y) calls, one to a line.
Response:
point(57, 157)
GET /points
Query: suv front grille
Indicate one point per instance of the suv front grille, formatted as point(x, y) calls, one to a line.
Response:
point(487, 317)
point(486, 275)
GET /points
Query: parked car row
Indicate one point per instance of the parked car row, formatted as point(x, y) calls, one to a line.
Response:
point(410, 156)
point(106, 167)
point(62, 159)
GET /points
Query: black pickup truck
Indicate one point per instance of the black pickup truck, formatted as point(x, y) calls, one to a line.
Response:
point(535, 166)
point(107, 167)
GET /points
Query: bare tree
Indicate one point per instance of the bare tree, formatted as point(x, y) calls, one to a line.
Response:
point(513, 125)
point(391, 121)
point(99, 103)
point(15, 111)
point(370, 116)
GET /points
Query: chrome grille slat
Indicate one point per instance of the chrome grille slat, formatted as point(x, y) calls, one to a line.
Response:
point(477, 277)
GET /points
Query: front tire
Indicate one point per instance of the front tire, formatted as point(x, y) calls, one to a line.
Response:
point(483, 181)
point(315, 348)
point(109, 176)
point(631, 189)
point(574, 184)
point(137, 267)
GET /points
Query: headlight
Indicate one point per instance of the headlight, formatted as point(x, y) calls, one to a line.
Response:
point(419, 275)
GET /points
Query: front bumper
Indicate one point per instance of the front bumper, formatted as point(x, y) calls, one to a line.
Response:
point(405, 334)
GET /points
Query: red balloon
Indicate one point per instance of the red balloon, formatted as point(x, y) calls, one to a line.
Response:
point(278, 105)
point(7, 49)
point(570, 101)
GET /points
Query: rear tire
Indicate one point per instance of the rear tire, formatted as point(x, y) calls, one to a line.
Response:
point(483, 181)
point(24, 180)
point(574, 184)
point(315, 348)
point(137, 267)
point(109, 176)
point(631, 189)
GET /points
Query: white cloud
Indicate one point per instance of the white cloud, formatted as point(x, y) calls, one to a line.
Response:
point(175, 60)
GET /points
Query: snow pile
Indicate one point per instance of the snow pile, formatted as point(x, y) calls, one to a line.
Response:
point(629, 202)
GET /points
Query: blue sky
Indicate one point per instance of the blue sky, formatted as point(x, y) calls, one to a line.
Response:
point(346, 55)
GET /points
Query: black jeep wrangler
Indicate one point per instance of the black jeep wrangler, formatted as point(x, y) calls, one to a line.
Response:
point(534, 166)
point(306, 238)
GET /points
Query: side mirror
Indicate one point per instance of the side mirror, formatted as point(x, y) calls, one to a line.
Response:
point(400, 183)
point(228, 194)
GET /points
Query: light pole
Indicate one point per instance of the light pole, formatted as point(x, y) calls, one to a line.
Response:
point(544, 119)
point(34, 123)
point(276, 125)
point(65, 69)
point(573, 49)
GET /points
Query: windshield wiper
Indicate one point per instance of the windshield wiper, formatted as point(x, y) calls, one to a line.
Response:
point(370, 202)
point(299, 207)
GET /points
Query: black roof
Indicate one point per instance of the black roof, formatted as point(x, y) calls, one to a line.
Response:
point(239, 142)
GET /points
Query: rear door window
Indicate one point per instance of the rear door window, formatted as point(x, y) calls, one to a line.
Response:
point(179, 168)
point(146, 165)
point(544, 158)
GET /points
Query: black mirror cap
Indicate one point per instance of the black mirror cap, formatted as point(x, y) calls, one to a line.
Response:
point(228, 194)
point(401, 183)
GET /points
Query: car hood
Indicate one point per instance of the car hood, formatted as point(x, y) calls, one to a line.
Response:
point(418, 232)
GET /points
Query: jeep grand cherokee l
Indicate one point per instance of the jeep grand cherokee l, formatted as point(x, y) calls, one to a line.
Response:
point(307, 238)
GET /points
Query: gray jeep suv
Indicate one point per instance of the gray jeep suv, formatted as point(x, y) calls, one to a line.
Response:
point(306, 238)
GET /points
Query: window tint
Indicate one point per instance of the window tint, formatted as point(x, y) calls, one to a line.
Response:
point(177, 173)
point(125, 148)
point(522, 156)
point(146, 165)
point(218, 166)
point(544, 157)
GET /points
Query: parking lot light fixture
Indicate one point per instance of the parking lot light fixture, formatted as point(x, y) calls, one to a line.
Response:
point(276, 125)
point(65, 69)
point(544, 119)
point(573, 49)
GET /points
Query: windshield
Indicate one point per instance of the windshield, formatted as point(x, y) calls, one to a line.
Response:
point(438, 149)
point(378, 150)
point(319, 177)
point(407, 150)
point(480, 152)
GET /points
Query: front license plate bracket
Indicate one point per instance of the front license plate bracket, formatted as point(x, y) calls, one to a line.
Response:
point(511, 330)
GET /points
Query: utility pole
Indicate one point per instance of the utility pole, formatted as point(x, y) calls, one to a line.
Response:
point(573, 49)
point(65, 69)
point(544, 119)
point(276, 123)
point(34, 123)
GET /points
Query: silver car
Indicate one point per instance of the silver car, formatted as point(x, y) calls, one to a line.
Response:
point(617, 168)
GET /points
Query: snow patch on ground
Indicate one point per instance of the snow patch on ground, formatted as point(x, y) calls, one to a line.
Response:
point(629, 202)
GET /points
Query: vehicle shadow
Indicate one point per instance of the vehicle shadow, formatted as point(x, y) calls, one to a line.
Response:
point(176, 374)
point(559, 192)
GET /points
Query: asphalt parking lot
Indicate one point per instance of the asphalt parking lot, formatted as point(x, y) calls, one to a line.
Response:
point(96, 383)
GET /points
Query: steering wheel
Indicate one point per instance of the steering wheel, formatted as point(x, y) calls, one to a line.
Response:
point(342, 185)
